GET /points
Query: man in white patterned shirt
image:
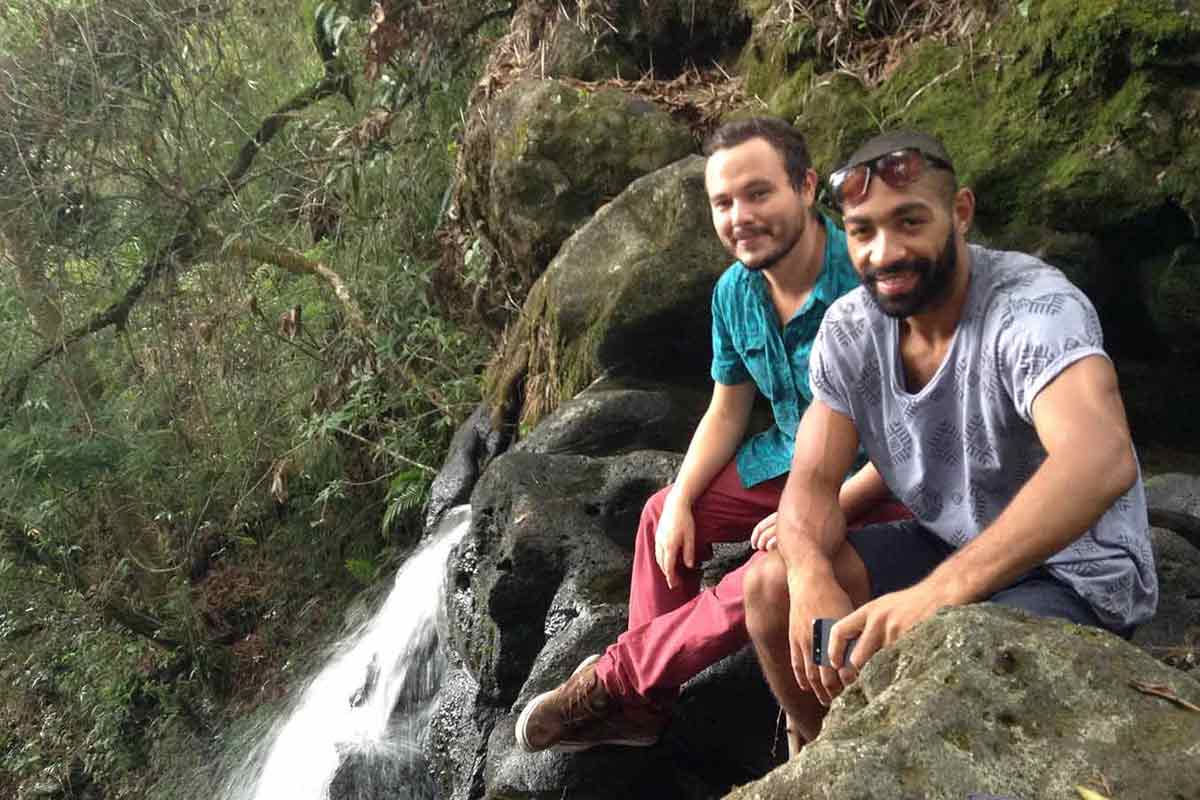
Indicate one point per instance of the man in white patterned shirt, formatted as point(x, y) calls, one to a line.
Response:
point(977, 383)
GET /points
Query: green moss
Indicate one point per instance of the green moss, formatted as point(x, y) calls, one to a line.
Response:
point(787, 101)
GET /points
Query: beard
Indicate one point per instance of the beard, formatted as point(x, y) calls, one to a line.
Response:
point(934, 279)
point(781, 252)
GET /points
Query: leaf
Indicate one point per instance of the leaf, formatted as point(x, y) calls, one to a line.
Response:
point(1090, 794)
point(1165, 692)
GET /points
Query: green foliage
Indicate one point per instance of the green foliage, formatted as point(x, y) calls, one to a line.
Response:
point(191, 493)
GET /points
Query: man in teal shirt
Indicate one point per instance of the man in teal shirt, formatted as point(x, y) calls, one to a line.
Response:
point(791, 265)
point(748, 344)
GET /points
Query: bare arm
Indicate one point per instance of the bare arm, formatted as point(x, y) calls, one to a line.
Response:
point(713, 444)
point(860, 493)
point(1080, 421)
point(716, 439)
point(811, 524)
point(811, 529)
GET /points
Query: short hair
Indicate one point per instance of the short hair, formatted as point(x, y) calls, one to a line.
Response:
point(784, 138)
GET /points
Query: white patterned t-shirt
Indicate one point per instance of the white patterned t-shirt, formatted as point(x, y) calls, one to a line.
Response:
point(957, 451)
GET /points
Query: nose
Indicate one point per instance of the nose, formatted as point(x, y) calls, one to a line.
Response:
point(884, 249)
point(741, 213)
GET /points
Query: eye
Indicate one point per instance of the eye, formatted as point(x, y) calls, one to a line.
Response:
point(912, 223)
point(858, 232)
point(758, 194)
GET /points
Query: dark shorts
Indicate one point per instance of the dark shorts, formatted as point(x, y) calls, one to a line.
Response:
point(900, 554)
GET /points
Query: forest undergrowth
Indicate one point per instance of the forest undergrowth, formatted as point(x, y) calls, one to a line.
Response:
point(225, 390)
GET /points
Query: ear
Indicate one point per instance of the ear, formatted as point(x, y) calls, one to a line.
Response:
point(964, 210)
point(811, 184)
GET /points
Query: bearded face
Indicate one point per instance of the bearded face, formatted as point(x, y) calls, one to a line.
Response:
point(909, 287)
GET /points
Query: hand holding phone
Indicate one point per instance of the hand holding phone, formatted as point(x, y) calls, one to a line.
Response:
point(820, 649)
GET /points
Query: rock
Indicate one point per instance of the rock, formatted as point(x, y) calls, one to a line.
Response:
point(989, 700)
point(375, 774)
point(614, 416)
point(550, 537)
point(458, 731)
point(1066, 116)
point(1172, 299)
point(664, 37)
point(542, 156)
point(475, 444)
point(1174, 634)
point(1173, 501)
point(726, 725)
point(541, 582)
point(628, 294)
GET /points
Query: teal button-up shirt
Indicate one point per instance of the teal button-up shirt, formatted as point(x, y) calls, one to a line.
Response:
point(748, 344)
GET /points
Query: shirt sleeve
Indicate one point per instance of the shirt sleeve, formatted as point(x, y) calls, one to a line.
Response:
point(1044, 335)
point(727, 365)
point(823, 377)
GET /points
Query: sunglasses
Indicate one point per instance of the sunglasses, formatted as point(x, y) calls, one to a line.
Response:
point(897, 169)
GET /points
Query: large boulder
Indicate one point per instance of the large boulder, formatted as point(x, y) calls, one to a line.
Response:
point(550, 535)
point(540, 582)
point(629, 293)
point(542, 156)
point(988, 701)
point(619, 416)
point(549, 550)
point(1067, 118)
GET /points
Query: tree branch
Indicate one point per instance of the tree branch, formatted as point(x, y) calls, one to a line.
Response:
point(295, 262)
point(233, 180)
point(13, 390)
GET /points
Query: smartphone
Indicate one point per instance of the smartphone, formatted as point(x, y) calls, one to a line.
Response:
point(820, 644)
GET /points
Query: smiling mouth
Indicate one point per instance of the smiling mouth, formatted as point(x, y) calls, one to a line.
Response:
point(896, 282)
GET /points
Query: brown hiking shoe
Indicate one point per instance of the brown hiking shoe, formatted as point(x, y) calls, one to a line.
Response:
point(580, 715)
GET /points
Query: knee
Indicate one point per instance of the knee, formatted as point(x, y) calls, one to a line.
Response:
point(766, 595)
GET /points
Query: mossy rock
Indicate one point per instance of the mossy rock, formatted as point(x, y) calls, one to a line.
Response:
point(544, 156)
point(629, 293)
point(778, 47)
point(991, 700)
point(1072, 118)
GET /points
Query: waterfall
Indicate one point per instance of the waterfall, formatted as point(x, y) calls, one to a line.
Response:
point(357, 730)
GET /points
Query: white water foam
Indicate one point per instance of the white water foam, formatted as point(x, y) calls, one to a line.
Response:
point(347, 709)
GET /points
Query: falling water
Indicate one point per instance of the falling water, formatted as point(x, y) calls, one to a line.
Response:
point(357, 730)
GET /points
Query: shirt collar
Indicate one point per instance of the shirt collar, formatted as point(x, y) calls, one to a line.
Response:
point(826, 287)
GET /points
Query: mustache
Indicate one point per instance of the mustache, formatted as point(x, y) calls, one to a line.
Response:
point(918, 265)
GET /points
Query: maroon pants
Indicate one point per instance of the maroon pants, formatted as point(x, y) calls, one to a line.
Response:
point(675, 633)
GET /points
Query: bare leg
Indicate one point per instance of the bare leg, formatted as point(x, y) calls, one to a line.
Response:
point(767, 606)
